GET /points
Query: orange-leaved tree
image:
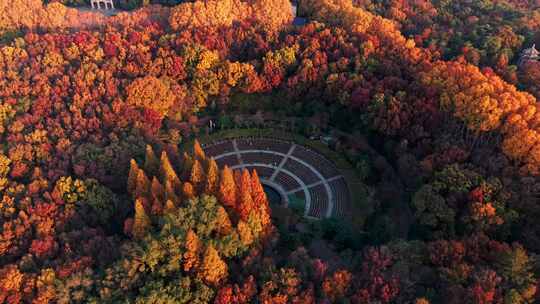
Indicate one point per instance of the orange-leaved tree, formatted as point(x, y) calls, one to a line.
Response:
point(151, 93)
point(269, 15)
point(157, 190)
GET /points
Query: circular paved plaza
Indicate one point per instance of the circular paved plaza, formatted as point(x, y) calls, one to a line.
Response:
point(299, 174)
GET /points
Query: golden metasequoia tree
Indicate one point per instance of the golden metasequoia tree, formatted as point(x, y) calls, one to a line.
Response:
point(169, 207)
point(142, 185)
point(260, 200)
point(141, 221)
point(259, 196)
point(188, 191)
point(170, 192)
point(193, 247)
point(227, 188)
point(187, 163)
point(238, 180)
point(196, 176)
point(132, 176)
point(213, 268)
point(167, 172)
point(246, 236)
point(212, 177)
point(156, 208)
point(157, 189)
point(151, 162)
point(198, 151)
point(223, 221)
point(245, 203)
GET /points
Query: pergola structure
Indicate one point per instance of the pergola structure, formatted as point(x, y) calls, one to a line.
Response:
point(97, 4)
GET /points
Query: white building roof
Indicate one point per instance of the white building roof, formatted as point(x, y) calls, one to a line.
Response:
point(530, 52)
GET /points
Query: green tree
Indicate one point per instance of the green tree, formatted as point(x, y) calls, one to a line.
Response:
point(516, 267)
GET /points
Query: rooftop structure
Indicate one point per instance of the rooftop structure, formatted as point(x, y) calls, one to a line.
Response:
point(97, 4)
point(530, 54)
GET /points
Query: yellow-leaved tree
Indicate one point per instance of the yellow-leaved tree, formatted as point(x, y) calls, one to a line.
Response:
point(213, 268)
point(193, 247)
point(271, 15)
point(141, 221)
point(227, 188)
point(151, 93)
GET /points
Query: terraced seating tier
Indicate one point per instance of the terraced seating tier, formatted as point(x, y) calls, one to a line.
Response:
point(262, 158)
point(230, 160)
point(303, 172)
point(286, 181)
point(324, 166)
point(319, 201)
point(340, 191)
point(264, 144)
point(263, 172)
point(218, 148)
point(303, 169)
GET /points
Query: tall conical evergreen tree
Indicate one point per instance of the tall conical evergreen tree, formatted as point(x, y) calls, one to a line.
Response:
point(245, 201)
point(256, 222)
point(142, 187)
point(166, 170)
point(245, 205)
point(197, 174)
point(212, 177)
point(157, 190)
point(151, 162)
point(257, 190)
point(246, 236)
point(198, 151)
point(157, 207)
point(223, 221)
point(227, 188)
point(213, 268)
point(132, 177)
point(191, 255)
point(260, 200)
point(141, 221)
point(187, 163)
point(238, 180)
point(170, 192)
point(188, 191)
point(169, 208)
point(172, 153)
point(245, 181)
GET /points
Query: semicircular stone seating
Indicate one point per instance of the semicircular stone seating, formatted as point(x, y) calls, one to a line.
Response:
point(291, 169)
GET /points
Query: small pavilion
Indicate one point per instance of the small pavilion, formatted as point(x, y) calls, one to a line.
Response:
point(102, 4)
point(527, 55)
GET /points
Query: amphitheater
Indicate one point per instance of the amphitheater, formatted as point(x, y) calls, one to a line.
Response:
point(297, 173)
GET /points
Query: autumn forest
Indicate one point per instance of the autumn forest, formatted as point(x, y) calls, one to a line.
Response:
point(263, 151)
